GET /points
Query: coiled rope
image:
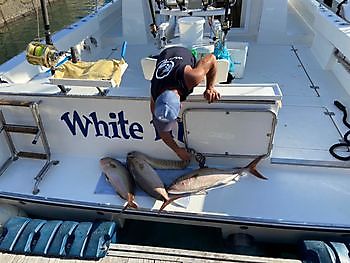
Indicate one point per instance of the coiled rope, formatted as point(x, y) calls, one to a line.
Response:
point(346, 139)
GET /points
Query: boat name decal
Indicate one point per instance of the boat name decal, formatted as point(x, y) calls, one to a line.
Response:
point(117, 127)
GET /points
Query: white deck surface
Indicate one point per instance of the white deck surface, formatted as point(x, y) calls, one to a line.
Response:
point(304, 133)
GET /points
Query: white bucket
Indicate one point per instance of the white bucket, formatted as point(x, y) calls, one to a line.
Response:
point(191, 30)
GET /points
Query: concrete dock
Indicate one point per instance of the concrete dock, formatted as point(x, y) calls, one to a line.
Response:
point(145, 254)
point(11, 10)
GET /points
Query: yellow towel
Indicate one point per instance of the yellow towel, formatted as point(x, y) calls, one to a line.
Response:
point(99, 70)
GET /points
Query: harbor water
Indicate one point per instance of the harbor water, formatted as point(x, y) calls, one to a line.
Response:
point(15, 36)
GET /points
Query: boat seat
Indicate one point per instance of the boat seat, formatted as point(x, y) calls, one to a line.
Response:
point(149, 64)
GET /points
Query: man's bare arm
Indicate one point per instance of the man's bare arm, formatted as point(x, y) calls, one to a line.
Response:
point(206, 67)
point(168, 140)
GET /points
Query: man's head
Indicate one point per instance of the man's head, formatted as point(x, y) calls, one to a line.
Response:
point(166, 110)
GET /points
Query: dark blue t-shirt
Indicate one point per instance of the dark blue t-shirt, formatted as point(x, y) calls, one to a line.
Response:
point(169, 72)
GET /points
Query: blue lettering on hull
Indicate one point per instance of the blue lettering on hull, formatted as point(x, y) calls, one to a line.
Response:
point(116, 127)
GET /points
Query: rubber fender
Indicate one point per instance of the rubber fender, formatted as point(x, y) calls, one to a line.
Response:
point(317, 252)
point(41, 244)
point(11, 232)
point(99, 240)
point(62, 236)
point(77, 245)
point(23, 244)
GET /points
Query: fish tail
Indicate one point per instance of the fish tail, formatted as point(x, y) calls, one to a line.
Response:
point(133, 205)
point(130, 203)
point(252, 167)
point(170, 200)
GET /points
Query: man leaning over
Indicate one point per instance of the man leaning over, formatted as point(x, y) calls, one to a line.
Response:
point(174, 78)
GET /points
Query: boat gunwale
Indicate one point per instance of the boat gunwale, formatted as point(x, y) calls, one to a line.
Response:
point(209, 218)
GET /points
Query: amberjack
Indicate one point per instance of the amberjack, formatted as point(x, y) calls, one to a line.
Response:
point(160, 163)
point(121, 180)
point(203, 179)
point(148, 179)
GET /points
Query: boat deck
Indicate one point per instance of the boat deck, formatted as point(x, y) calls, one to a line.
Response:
point(144, 254)
point(291, 196)
point(306, 125)
point(303, 135)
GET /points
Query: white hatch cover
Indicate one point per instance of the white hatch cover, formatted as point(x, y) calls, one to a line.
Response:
point(233, 132)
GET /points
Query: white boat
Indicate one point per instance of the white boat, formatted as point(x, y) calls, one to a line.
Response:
point(291, 63)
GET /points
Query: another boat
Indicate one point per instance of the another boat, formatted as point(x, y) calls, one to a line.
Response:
point(291, 62)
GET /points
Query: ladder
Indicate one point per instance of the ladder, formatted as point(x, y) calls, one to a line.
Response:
point(37, 130)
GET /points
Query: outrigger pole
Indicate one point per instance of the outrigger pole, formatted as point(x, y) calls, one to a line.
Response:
point(45, 15)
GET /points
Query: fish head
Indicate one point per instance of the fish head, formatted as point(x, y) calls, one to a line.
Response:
point(135, 154)
point(107, 162)
point(135, 162)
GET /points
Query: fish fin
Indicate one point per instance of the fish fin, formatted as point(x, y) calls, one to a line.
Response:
point(201, 192)
point(170, 200)
point(252, 168)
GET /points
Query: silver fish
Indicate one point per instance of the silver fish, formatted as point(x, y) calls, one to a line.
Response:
point(160, 163)
point(207, 178)
point(120, 178)
point(148, 179)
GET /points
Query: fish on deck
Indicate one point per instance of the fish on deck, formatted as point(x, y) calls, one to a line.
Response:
point(148, 179)
point(204, 179)
point(121, 180)
point(160, 163)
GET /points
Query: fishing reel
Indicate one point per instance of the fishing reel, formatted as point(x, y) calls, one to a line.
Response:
point(42, 54)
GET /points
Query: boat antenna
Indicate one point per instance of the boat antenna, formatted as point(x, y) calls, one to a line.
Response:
point(45, 15)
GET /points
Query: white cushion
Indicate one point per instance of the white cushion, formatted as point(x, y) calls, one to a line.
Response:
point(149, 65)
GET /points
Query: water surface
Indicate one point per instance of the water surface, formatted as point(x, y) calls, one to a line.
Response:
point(15, 36)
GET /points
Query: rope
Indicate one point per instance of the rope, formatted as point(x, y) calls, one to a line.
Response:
point(339, 7)
point(199, 157)
point(346, 142)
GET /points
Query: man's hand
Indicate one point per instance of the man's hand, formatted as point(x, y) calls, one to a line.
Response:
point(211, 95)
point(183, 154)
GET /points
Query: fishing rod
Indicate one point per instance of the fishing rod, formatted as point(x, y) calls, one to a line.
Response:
point(158, 4)
point(45, 15)
point(153, 26)
point(181, 4)
point(226, 25)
